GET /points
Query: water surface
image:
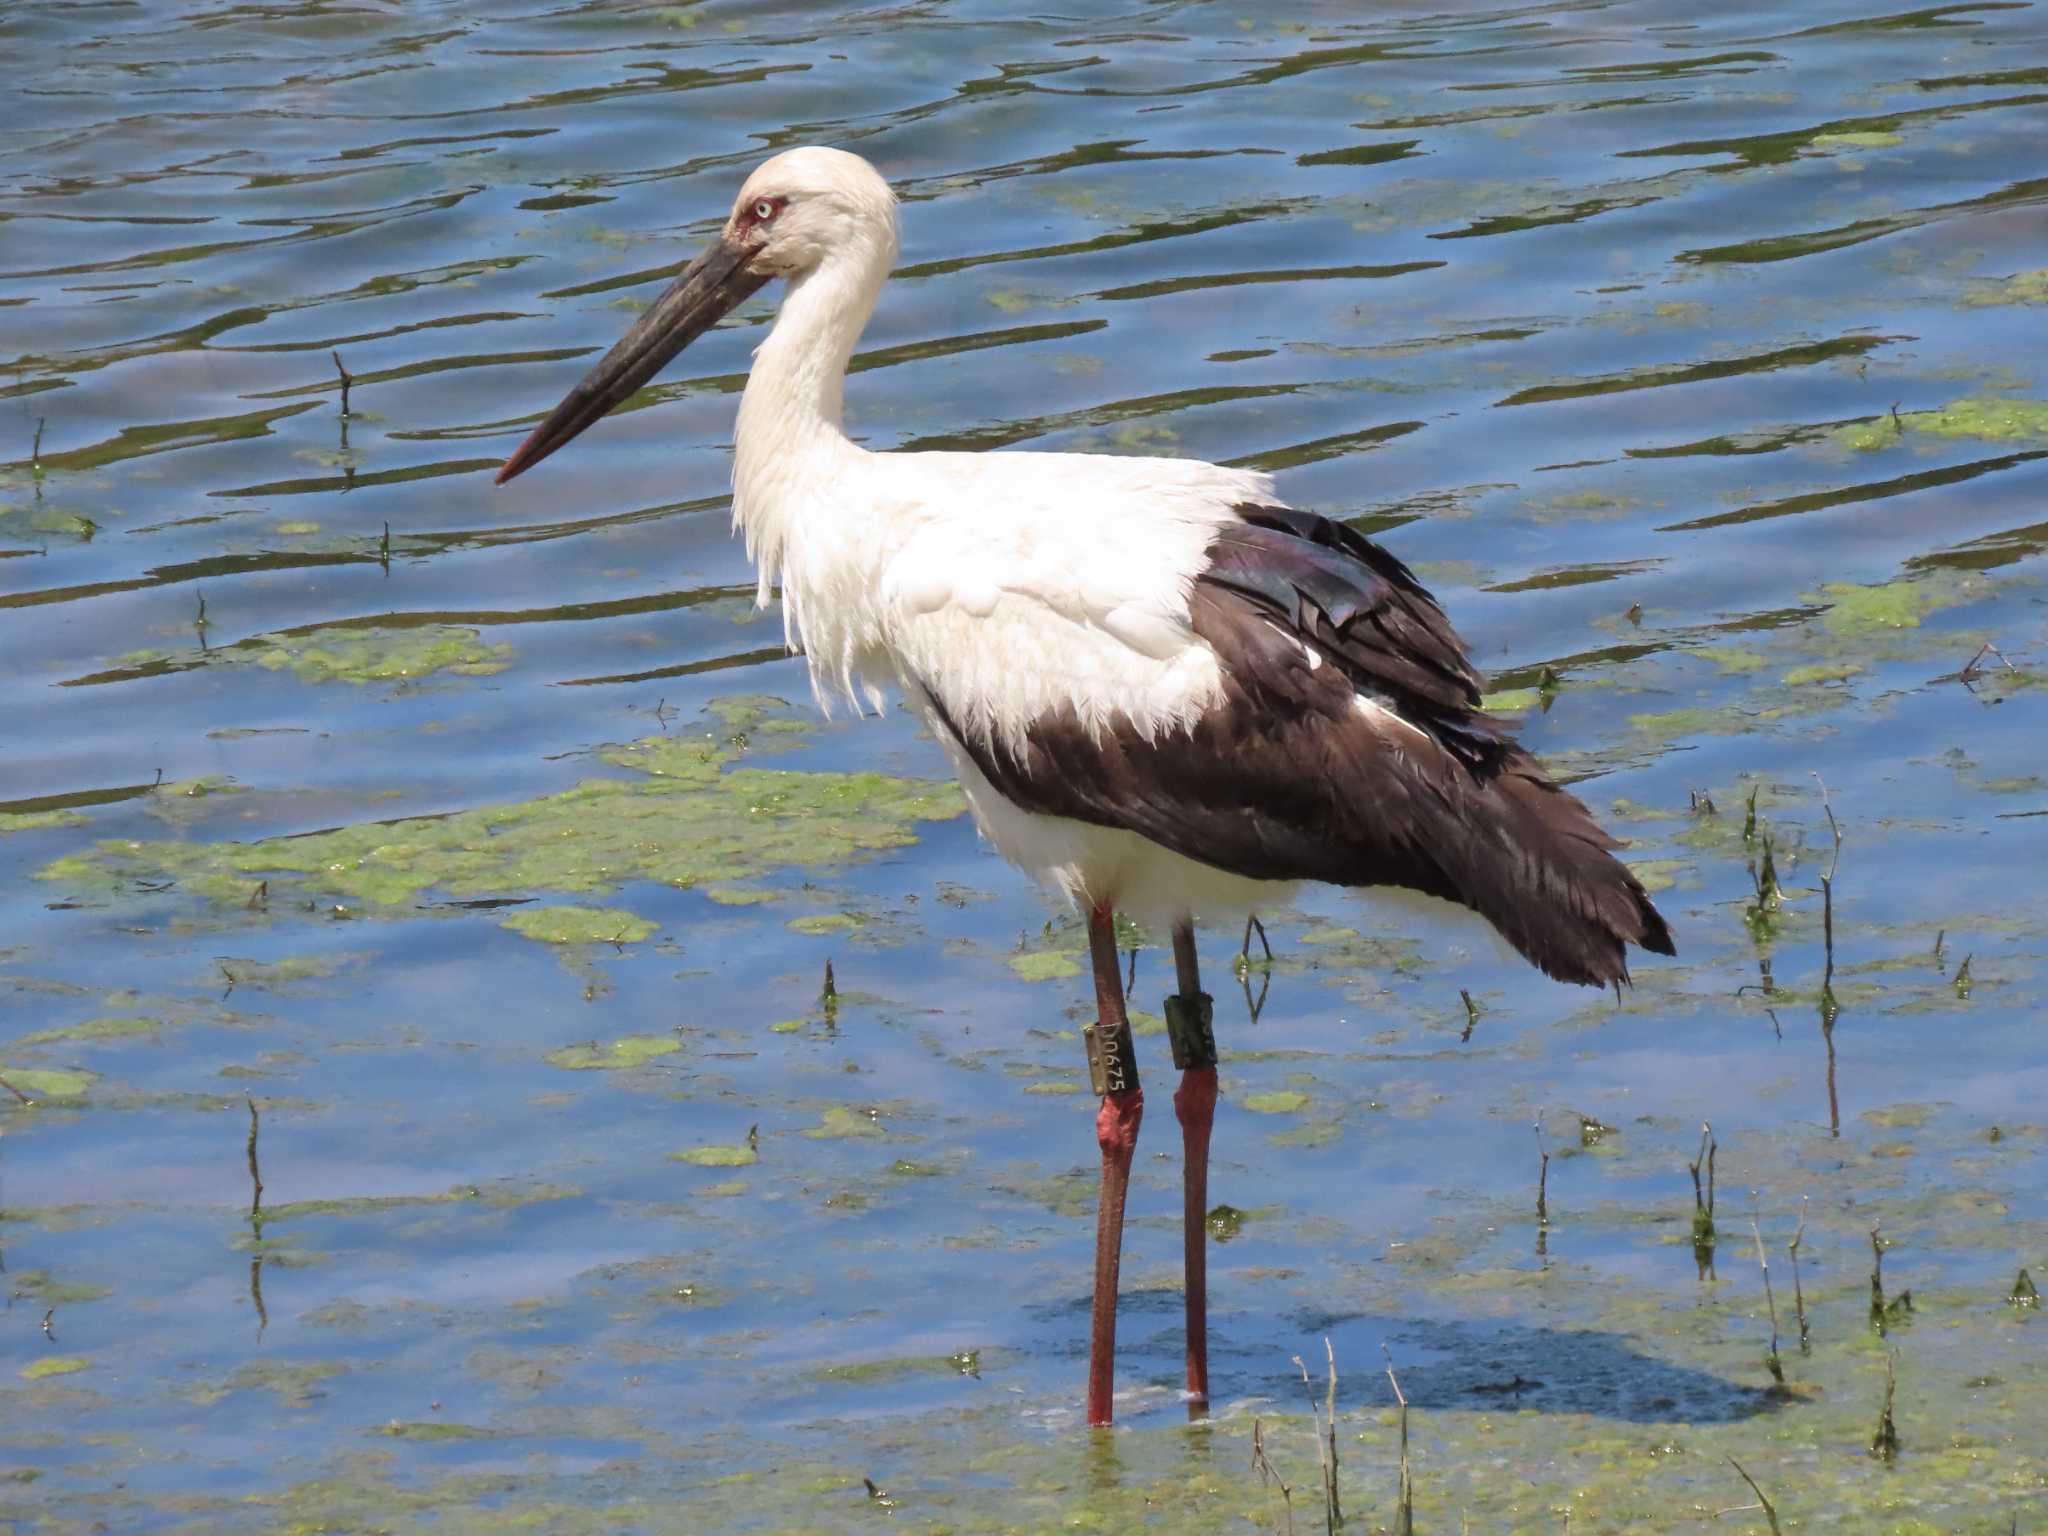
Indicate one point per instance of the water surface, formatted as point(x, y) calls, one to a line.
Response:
point(482, 853)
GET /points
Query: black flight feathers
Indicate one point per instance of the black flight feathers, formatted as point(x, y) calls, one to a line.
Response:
point(1286, 777)
point(1336, 590)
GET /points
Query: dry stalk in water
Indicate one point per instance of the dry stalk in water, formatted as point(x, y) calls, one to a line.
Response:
point(1798, 1296)
point(1762, 1500)
point(1771, 1361)
point(1268, 1473)
point(1404, 1510)
point(1884, 1445)
point(1325, 1416)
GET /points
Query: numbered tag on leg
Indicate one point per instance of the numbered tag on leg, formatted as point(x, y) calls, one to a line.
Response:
point(1112, 1067)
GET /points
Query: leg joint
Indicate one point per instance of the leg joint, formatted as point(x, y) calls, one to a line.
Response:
point(1191, 1029)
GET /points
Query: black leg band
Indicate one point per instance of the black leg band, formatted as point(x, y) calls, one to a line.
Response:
point(1191, 1029)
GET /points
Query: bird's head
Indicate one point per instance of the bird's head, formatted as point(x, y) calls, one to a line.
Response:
point(809, 204)
point(796, 213)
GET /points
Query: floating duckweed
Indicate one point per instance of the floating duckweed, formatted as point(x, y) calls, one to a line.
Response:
point(38, 821)
point(632, 1051)
point(46, 1290)
point(1865, 139)
point(54, 1365)
point(345, 654)
point(718, 1157)
point(94, 1029)
point(579, 925)
point(818, 923)
point(382, 655)
point(1822, 672)
point(1990, 420)
point(840, 1122)
point(1859, 610)
point(49, 1082)
point(400, 1429)
point(870, 1372)
point(1730, 659)
point(2020, 288)
point(1045, 965)
point(1284, 1101)
point(688, 819)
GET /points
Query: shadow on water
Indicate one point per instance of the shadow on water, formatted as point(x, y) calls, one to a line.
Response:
point(1449, 1365)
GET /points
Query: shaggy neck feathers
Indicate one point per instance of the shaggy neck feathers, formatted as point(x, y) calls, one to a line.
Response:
point(790, 442)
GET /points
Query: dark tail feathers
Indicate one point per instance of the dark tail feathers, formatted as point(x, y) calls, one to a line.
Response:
point(1533, 862)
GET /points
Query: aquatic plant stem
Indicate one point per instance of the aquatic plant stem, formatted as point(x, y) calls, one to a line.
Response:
point(1404, 1508)
point(1116, 1132)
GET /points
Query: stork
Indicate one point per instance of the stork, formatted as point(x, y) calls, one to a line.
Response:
point(1165, 692)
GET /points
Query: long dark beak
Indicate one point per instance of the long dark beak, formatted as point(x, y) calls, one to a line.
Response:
point(710, 288)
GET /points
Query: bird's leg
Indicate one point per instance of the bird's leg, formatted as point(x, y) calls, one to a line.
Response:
point(1190, 1027)
point(1113, 1069)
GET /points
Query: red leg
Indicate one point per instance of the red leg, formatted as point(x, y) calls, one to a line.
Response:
point(1188, 1017)
point(1115, 1073)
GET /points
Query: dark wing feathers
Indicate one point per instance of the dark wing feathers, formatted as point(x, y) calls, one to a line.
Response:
point(1333, 588)
point(1286, 778)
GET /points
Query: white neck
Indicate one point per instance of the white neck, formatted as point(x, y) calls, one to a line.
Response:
point(789, 440)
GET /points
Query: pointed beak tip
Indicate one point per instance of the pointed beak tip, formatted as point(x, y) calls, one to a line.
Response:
point(707, 289)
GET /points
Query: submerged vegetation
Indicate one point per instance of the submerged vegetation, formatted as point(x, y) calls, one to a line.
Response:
point(694, 816)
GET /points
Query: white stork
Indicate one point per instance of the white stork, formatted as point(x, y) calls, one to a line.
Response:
point(1164, 692)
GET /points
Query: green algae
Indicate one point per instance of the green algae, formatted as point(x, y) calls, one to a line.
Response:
point(1279, 1102)
point(718, 1157)
point(615, 1055)
point(38, 821)
point(966, 1362)
point(1983, 419)
point(343, 654)
point(277, 975)
point(690, 818)
point(839, 1123)
point(2020, 288)
point(295, 1383)
point(818, 924)
point(54, 1365)
point(1856, 610)
point(1731, 660)
point(49, 1083)
point(1045, 965)
point(1821, 672)
point(1859, 139)
point(94, 1030)
point(46, 1290)
point(493, 1196)
point(579, 925)
point(429, 1432)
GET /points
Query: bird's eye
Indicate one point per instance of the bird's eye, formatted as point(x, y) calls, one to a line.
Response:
point(764, 210)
